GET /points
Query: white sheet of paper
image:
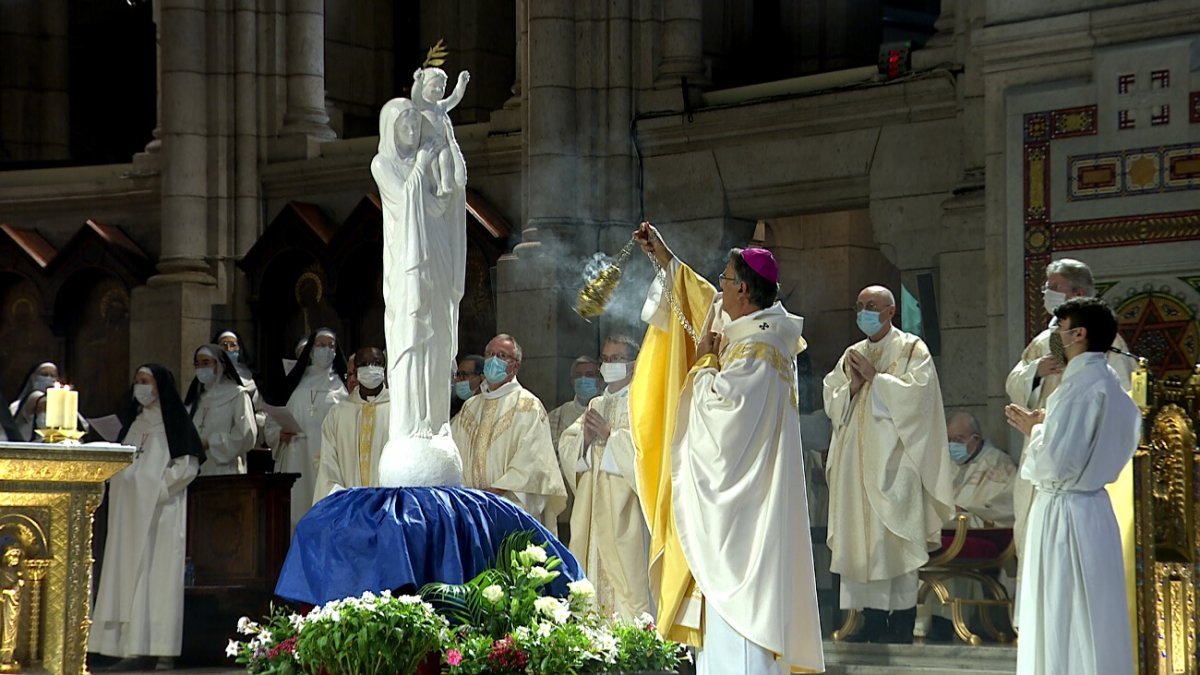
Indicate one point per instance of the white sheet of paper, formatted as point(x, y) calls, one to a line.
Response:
point(109, 427)
point(288, 364)
point(283, 417)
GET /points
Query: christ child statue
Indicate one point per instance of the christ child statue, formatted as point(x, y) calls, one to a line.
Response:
point(429, 86)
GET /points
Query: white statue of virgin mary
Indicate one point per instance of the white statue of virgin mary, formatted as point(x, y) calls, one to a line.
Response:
point(424, 263)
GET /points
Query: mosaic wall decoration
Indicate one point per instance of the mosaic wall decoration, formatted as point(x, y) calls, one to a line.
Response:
point(1131, 172)
point(1159, 323)
point(1096, 176)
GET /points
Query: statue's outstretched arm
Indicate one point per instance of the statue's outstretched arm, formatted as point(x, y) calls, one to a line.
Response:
point(456, 96)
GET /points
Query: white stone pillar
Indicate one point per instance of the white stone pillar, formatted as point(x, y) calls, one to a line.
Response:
point(681, 43)
point(306, 115)
point(184, 147)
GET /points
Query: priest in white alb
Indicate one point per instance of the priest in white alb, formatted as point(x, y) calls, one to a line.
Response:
point(504, 438)
point(735, 467)
point(1072, 610)
point(889, 474)
point(608, 531)
point(355, 430)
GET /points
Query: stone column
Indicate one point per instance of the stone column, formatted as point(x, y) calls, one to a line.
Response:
point(172, 314)
point(681, 43)
point(184, 131)
point(508, 118)
point(531, 303)
point(306, 116)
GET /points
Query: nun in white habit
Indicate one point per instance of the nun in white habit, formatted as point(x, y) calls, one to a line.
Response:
point(221, 410)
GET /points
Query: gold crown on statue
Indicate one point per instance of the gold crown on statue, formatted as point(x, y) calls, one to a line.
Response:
point(598, 291)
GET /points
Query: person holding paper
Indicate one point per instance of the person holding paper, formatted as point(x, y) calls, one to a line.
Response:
point(222, 412)
point(355, 430)
point(311, 389)
point(138, 613)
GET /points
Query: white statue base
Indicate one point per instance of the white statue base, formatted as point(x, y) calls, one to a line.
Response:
point(421, 462)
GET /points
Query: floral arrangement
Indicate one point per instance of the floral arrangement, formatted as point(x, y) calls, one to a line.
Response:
point(505, 625)
point(502, 622)
point(371, 634)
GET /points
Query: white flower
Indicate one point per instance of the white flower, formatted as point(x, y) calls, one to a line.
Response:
point(296, 620)
point(493, 594)
point(265, 636)
point(409, 599)
point(543, 629)
point(540, 575)
point(246, 626)
point(368, 596)
point(582, 589)
point(232, 649)
point(645, 620)
point(387, 593)
point(532, 554)
point(335, 616)
point(554, 608)
point(521, 633)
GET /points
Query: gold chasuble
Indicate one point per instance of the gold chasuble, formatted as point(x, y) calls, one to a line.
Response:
point(663, 366)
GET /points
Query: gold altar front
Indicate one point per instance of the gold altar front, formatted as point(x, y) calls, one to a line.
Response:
point(48, 493)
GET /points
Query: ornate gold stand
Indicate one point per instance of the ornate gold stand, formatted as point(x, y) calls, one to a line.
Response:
point(1166, 518)
point(48, 493)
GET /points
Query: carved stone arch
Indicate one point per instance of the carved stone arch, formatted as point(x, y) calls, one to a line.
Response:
point(26, 311)
point(91, 279)
point(356, 262)
point(290, 290)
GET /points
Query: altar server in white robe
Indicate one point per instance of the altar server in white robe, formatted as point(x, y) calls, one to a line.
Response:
point(222, 412)
point(889, 473)
point(356, 429)
point(738, 485)
point(1073, 611)
point(139, 602)
point(608, 531)
point(315, 384)
point(503, 435)
point(1035, 377)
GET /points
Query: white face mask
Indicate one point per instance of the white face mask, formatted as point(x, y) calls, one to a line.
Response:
point(206, 375)
point(322, 357)
point(1052, 299)
point(370, 376)
point(144, 393)
point(614, 372)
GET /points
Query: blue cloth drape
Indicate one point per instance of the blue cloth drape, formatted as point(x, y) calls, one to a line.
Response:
point(375, 539)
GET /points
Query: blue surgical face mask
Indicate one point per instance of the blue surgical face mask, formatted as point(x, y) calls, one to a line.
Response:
point(234, 355)
point(959, 452)
point(462, 389)
point(495, 369)
point(868, 322)
point(42, 382)
point(586, 388)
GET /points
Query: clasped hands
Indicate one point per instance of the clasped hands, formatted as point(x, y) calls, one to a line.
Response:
point(1023, 419)
point(859, 368)
point(595, 428)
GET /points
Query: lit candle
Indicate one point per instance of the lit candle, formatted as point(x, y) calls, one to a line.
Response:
point(70, 411)
point(55, 400)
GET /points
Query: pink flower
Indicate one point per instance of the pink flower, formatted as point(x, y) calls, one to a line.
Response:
point(453, 657)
